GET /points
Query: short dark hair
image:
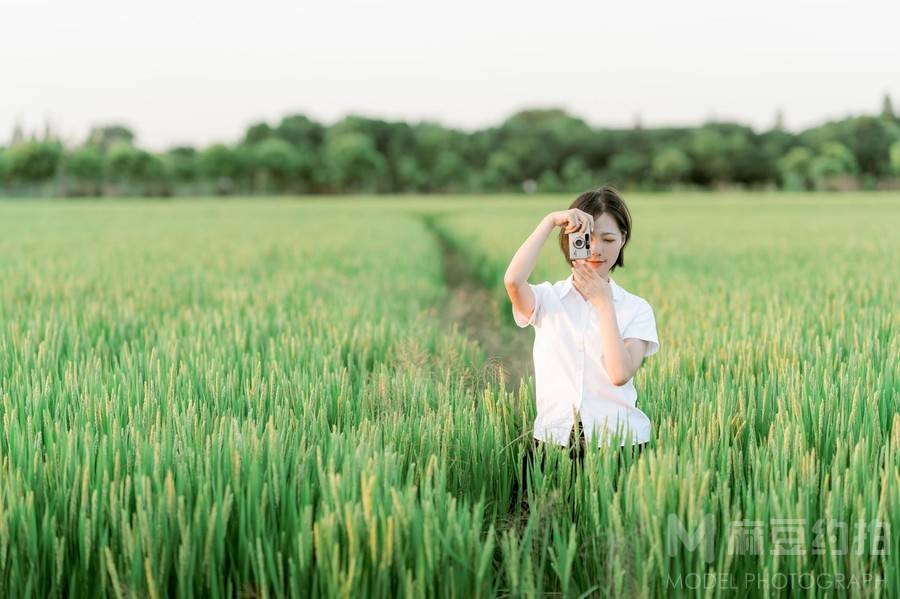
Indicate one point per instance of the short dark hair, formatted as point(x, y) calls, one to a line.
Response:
point(605, 200)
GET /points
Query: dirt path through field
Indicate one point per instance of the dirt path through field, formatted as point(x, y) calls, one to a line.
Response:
point(478, 313)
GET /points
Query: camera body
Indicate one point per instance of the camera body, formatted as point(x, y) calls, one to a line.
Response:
point(579, 245)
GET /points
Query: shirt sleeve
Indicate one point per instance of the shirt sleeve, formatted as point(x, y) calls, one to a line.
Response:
point(643, 326)
point(533, 319)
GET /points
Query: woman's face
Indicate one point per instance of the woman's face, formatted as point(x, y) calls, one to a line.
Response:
point(606, 242)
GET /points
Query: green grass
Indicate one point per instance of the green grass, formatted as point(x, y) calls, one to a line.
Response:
point(261, 398)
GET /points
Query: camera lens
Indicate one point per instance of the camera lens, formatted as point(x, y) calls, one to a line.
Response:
point(579, 243)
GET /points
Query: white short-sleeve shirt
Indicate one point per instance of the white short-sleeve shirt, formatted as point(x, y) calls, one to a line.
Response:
point(569, 375)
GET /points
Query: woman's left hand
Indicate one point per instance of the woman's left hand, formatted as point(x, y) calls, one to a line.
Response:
point(590, 284)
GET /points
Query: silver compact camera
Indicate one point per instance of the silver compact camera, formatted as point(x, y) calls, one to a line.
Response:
point(579, 245)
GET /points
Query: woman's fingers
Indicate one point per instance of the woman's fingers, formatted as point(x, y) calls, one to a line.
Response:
point(588, 220)
point(577, 222)
point(578, 272)
point(582, 272)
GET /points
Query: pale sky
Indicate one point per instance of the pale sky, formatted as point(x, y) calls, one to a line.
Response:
point(197, 72)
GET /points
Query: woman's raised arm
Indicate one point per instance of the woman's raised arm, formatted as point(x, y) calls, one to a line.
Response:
point(516, 278)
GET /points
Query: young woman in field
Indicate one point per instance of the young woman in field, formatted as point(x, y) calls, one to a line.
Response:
point(591, 335)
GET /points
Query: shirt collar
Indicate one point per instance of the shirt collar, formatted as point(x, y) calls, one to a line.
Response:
point(616, 290)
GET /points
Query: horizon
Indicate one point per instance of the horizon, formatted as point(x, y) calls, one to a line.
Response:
point(70, 141)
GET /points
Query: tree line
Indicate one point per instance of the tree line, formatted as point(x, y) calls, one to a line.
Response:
point(546, 150)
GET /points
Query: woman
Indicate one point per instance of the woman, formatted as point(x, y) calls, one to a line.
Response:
point(591, 335)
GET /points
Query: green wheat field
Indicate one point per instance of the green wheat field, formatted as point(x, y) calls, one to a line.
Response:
point(265, 398)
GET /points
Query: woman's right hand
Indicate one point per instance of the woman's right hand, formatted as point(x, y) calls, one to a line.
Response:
point(572, 220)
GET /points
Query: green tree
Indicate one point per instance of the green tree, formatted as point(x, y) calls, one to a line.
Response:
point(833, 159)
point(441, 156)
point(794, 168)
point(449, 171)
point(410, 174)
point(184, 163)
point(226, 166)
point(670, 165)
point(34, 161)
point(85, 166)
point(155, 174)
point(220, 160)
point(575, 175)
point(122, 163)
point(105, 137)
point(708, 148)
point(387, 143)
point(549, 182)
point(301, 132)
point(727, 152)
point(4, 165)
point(354, 162)
point(887, 108)
point(869, 138)
point(257, 133)
point(895, 158)
point(136, 167)
point(538, 140)
point(501, 172)
point(774, 144)
point(151, 168)
point(281, 163)
point(628, 167)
